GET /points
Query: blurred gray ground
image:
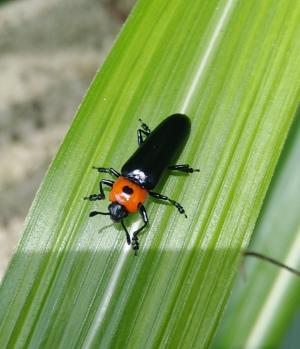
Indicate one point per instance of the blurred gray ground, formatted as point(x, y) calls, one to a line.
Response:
point(49, 53)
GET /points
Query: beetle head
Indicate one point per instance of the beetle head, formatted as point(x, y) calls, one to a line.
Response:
point(117, 211)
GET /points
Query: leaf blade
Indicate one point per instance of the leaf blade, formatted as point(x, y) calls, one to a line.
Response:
point(79, 267)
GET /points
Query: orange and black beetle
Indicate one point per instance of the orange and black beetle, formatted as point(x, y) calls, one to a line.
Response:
point(141, 173)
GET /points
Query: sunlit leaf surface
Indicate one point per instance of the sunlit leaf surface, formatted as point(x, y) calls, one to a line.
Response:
point(233, 68)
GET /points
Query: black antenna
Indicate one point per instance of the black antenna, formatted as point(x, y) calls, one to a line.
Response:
point(271, 260)
point(126, 232)
point(94, 213)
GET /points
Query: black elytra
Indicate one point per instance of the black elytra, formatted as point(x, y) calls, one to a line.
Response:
point(158, 151)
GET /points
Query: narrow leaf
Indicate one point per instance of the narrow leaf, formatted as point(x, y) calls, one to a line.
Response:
point(233, 68)
point(269, 297)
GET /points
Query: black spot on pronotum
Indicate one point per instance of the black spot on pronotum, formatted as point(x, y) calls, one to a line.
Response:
point(127, 190)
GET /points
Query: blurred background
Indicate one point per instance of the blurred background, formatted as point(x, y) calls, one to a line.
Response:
point(49, 53)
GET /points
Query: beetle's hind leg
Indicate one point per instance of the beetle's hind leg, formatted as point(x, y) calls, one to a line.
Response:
point(144, 130)
point(100, 196)
point(183, 168)
point(145, 127)
point(173, 202)
point(135, 240)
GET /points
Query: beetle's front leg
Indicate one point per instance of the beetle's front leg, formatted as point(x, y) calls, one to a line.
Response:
point(173, 202)
point(135, 239)
point(101, 195)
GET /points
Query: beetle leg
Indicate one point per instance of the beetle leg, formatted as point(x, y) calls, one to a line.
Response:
point(100, 196)
point(173, 202)
point(140, 136)
point(145, 130)
point(183, 168)
point(145, 127)
point(110, 170)
point(135, 240)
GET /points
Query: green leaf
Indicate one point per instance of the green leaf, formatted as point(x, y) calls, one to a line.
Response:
point(233, 67)
point(269, 297)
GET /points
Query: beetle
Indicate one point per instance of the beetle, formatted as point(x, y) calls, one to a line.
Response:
point(142, 171)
